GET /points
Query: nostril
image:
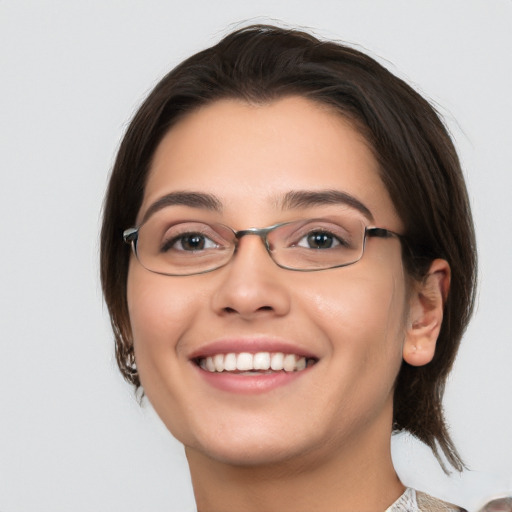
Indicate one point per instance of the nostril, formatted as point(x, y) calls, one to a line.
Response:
point(230, 310)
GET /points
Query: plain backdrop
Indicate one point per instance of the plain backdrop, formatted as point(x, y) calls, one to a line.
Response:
point(72, 73)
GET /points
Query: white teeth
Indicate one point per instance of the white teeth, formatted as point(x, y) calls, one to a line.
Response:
point(209, 364)
point(218, 361)
point(244, 362)
point(276, 362)
point(247, 362)
point(230, 362)
point(289, 363)
point(261, 361)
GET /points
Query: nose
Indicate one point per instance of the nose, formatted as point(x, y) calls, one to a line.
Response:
point(252, 285)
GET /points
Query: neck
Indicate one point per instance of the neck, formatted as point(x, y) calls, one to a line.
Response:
point(349, 479)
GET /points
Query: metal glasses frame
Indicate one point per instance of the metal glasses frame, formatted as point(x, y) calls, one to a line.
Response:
point(131, 236)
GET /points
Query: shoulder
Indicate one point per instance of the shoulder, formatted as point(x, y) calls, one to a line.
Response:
point(427, 503)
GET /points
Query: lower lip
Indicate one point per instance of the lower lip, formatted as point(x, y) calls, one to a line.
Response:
point(249, 384)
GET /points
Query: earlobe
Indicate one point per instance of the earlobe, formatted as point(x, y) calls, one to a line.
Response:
point(426, 314)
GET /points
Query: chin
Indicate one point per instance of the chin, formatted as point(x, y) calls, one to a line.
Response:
point(250, 445)
point(253, 455)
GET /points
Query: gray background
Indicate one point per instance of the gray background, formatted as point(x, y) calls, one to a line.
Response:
point(72, 437)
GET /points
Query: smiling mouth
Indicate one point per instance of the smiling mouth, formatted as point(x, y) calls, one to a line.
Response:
point(246, 363)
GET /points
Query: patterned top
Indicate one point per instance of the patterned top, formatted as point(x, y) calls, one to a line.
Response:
point(415, 501)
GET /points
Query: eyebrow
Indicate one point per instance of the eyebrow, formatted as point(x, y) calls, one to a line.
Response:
point(294, 199)
point(191, 199)
point(305, 198)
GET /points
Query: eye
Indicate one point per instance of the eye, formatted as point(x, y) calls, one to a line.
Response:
point(190, 242)
point(191, 237)
point(320, 240)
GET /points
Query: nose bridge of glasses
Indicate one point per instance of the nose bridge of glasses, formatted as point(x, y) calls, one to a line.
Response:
point(259, 232)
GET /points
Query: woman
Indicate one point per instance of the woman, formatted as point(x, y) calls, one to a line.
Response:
point(302, 270)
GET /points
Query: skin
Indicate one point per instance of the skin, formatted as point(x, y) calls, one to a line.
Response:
point(321, 442)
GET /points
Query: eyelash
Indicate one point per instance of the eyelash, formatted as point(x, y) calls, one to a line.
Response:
point(171, 244)
point(336, 240)
point(207, 242)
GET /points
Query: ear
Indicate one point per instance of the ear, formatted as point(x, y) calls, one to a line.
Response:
point(427, 301)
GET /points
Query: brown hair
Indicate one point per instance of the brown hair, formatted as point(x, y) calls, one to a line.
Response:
point(418, 164)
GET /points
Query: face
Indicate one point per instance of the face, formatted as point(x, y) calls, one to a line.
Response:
point(346, 324)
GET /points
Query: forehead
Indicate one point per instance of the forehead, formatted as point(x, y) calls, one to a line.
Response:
point(248, 156)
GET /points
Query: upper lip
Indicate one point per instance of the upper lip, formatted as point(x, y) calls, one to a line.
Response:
point(251, 345)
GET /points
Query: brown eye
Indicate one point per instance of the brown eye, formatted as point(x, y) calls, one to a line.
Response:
point(189, 242)
point(320, 240)
point(192, 242)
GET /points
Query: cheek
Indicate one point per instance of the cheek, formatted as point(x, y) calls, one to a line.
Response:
point(362, 315)
point(160, 309)
point(368, 342)
point(372, 304)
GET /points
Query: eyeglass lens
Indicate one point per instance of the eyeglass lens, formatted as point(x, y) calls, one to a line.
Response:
point(176, 247)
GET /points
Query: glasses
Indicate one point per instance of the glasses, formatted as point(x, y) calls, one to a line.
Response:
point(174, 247)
